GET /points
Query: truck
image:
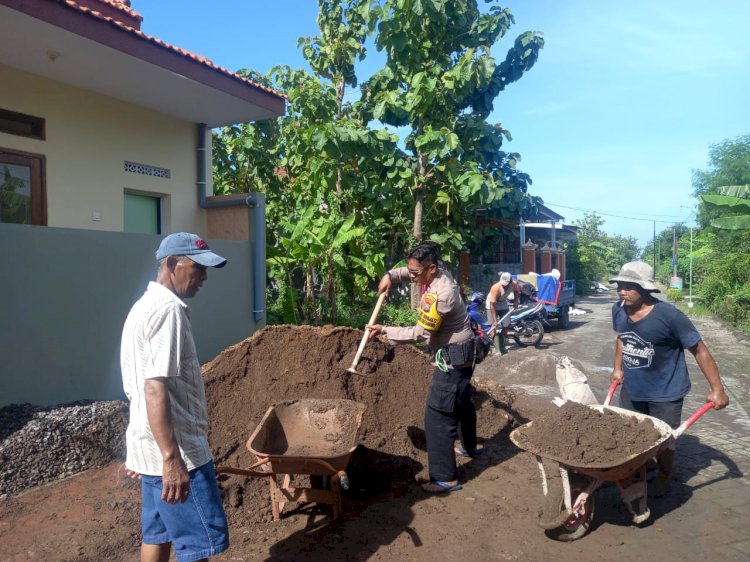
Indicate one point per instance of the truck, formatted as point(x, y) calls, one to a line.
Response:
point(560, 307)
point(558, 297)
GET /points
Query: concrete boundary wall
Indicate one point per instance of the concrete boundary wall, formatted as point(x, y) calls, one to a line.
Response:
point(65, 296)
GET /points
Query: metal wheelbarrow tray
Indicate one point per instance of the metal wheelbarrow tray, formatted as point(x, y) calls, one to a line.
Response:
point(568, 510)
point(314, 437)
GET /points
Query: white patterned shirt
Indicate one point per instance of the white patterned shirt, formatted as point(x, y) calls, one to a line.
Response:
point(157, 341)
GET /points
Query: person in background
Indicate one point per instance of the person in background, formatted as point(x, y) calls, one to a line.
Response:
point(444, 324)
point(167, 440)
point(499, 300)
point(652, 336)
point(477, 320)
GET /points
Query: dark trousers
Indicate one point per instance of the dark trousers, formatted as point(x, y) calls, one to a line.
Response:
point(449, 410)
point(668, 412)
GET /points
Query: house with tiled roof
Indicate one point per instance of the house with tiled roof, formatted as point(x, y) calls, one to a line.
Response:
point(106, 126)
point(105, 146)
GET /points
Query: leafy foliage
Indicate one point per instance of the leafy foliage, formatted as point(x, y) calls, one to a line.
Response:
point(344, 195)
point(675, 295)
point(722, 258)
point(736, 200)
point(440, 82)
point(14, 207)
point(596, 256)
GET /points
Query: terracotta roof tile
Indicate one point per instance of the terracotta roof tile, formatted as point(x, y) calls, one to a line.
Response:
point(125, 8)
point(182, 52)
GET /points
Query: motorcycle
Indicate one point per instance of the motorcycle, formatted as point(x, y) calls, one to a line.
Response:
point(526, 323)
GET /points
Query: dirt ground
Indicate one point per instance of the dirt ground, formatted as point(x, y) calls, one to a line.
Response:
point(95, 515)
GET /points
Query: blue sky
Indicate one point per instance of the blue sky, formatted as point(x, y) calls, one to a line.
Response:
point(621, 107)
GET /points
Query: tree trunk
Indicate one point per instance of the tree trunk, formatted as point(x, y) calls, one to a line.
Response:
point(340, 89)
point(416, 292)
point(331, 291)
point(309, 293)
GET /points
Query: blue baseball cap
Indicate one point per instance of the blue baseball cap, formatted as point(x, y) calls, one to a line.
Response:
point(186, 244)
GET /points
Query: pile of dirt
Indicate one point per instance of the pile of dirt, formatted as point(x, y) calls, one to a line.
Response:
point(584, 436)
point(289, 362)
point(529, 374)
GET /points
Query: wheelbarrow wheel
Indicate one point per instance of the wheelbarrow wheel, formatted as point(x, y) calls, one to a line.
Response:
point(576, 525)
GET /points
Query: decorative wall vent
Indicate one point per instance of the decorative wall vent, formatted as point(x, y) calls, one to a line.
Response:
point(146, 170)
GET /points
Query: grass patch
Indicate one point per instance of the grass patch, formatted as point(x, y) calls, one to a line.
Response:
point(698, 310)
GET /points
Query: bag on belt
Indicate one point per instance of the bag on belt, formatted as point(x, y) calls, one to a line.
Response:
point(460, 354)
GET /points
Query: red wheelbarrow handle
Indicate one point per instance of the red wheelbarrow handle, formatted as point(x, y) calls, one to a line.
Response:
point(611, 392)
point(247, 471)
point(692, 419)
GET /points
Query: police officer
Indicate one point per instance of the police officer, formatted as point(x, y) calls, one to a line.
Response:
point(444, 324)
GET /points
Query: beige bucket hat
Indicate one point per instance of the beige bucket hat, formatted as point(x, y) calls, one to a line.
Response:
point(638, 272)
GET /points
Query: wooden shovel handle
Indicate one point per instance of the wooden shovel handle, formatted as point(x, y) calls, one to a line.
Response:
point(366, 335)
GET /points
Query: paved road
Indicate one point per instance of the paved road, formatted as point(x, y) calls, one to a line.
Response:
point(713, 456)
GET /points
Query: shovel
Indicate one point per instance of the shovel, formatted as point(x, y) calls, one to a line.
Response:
point(353, 368)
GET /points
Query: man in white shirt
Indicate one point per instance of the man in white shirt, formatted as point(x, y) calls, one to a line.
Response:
point(167, 441)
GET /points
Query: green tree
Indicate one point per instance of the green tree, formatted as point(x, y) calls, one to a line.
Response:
point(725, 259)
point(440, 82)
point(341, 189)
point(594, 255)
point(587, 255)
point(317, 166)
point(664, 244)
point(735, 199)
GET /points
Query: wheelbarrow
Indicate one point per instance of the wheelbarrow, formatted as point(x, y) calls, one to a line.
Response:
point(314, 437)
point(569, 508)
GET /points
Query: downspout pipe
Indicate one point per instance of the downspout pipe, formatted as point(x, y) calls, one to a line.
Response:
point(256, 226)
point(257, 233)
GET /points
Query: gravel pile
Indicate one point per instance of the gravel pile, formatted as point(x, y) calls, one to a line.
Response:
point(42, 444)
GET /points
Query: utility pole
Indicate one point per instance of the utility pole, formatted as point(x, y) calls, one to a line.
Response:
point(658, 253)
point(654, 247)
point(674, 252)
point(690, 299)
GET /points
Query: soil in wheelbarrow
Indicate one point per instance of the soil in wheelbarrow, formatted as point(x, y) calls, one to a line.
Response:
point(291, 362)
point(584, 436)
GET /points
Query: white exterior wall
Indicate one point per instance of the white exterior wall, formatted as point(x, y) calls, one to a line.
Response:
point(88, 137)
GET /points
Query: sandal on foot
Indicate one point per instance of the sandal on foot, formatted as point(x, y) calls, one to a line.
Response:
point(443, 487)
point(460, 451)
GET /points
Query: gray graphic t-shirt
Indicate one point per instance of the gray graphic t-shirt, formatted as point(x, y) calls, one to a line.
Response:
point(653, 352)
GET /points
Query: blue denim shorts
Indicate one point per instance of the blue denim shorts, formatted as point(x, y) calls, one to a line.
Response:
point(197, 527)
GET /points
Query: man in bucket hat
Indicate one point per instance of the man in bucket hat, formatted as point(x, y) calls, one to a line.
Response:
point(167, 439)
point(652, 336)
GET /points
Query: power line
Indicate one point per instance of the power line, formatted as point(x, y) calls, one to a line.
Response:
point(603, 213)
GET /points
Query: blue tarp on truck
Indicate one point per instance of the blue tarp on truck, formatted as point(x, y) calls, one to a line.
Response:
point(558, 298)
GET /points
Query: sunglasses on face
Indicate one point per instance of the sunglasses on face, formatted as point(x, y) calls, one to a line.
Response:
point(415, 272)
